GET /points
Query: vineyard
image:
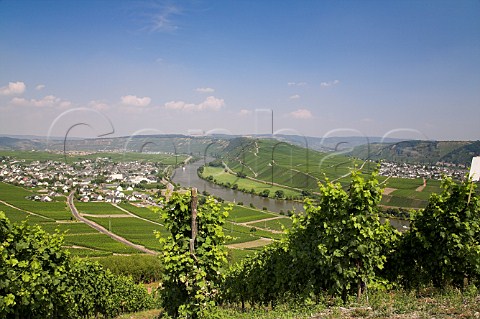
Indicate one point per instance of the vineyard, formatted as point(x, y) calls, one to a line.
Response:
point(337, 250)
point(276, 169)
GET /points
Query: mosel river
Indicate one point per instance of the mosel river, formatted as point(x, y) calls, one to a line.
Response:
point(187, 177)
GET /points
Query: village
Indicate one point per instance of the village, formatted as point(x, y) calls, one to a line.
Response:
point(404, 170)
point(100, 180)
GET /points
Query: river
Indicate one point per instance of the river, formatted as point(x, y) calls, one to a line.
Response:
point(187, 177)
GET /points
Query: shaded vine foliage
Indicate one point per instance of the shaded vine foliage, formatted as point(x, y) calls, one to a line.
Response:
point(443, 246)
point(338, 245)
point(38, 279)
point(190, 281)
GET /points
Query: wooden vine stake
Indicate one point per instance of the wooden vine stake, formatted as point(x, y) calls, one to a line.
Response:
point(194, 223)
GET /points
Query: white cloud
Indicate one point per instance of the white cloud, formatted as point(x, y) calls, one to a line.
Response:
point(40, 87)
point(47, 101)
point(297, 83)
point(205, 90)
point(133, 100)
point(13, 88)
point(244, 112)
point(210, 103)
point(294, 97)
point(302, 114)
point(329, 83)
point(99, 105)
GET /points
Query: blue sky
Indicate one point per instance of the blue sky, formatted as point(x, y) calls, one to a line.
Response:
point(394, 68)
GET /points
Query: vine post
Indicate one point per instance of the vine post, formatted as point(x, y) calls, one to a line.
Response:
point(194, 222)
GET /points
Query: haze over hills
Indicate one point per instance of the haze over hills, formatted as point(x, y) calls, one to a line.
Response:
point(374, 148)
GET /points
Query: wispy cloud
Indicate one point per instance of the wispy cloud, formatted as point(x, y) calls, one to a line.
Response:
point(40, 87)
point(294, 97)
point(204, 90)
point(245, 112)
point(302, 114)
point(133, 100)
point(329, 83)
point(47, 101)
point(211, 103)
point(297, 83)
point(13, 88)
point(163, 19)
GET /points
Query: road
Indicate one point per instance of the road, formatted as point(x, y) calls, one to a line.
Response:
point(101, 229)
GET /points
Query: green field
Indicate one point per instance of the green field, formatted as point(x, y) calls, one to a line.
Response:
point(275, 224)
point(16, 196)
point(241, 214)
point(220, 176)
point(100, 208)
point(99, 242)
point(143, 212)
point(241, 232)
point(133, 229)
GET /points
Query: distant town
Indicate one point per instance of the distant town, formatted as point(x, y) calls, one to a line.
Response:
point(94, 180)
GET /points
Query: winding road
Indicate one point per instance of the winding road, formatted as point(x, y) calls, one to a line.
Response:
point(101, 229)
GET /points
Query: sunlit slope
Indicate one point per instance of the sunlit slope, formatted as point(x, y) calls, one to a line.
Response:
point(285, 164)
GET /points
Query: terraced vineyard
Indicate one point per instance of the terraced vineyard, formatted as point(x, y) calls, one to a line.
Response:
point(134, 223)
point(269, 165)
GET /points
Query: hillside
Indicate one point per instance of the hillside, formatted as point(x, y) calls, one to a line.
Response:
point(425, 152)
point(278, 162)
point(176, 144)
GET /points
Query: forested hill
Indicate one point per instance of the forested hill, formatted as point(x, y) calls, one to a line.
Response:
point(427, 152)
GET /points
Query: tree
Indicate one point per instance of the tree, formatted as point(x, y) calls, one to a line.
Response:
point(341, 243)
point(38, 279)
point(33, 271)
point(443, 244)
point(265, 193)
point(279, 194)
point(192, 276)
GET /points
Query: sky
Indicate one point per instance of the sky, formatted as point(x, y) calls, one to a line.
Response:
point(407, 69)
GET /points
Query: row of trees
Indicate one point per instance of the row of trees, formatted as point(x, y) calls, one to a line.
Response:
point(39, 279)
point(340, 247)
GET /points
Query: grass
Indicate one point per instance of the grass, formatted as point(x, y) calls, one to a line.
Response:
point(396, 304)
point(274, 224)
point(245, 233)
point(16, 196)
point(100, 208)
point(143, 212)
point(16, 216)
point(72, 228)
point(99, 242)
point(241, 214)
point(220, 176)
point(133, 229)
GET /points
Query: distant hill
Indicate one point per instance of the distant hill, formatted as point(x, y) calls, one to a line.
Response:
point(458, 152)
point(21, 144)
point(425, 152)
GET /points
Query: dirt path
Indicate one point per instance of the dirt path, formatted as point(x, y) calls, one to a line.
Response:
point(388, 190)
point(251, 244)
point(101, 229)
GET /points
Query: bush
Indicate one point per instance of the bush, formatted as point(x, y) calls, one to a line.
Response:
point(442, 246)
point(142, 268)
